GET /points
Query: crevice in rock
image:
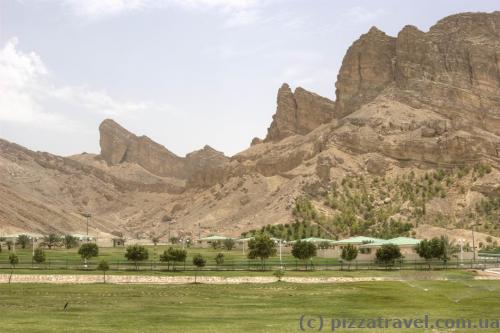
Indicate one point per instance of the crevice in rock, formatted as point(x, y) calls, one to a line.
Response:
point(497, 66)
point(360, 75)
point(469, 66)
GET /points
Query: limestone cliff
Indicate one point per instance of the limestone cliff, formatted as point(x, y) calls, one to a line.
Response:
point(119, 145)
point(298, 112)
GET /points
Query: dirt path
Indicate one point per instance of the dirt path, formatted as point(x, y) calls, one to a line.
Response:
point(143, 279)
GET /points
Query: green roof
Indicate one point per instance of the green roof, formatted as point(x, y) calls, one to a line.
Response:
point(400, 241)
point(214, 238)
point(248, 238)
point(358, 240)
point(314, 240)
point(244, 239)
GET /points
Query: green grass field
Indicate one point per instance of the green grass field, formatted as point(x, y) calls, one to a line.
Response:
point(236, 308)
point(400, 274)
point(117, 254)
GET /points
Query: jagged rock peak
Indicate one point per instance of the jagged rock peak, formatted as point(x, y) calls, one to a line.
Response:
point(458, 58)
point(375, 31)
point(298, 112)
point(119, 145)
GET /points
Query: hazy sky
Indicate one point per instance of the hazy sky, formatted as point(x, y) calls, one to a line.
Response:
point(184, 72)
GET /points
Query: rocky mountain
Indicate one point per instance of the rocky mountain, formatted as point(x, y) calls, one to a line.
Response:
point(199, 168)
point(298, 112)
point(411, 141)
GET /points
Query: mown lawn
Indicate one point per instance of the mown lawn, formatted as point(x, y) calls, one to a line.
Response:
point(236, 308)
point(117, 254)
point(400, 274)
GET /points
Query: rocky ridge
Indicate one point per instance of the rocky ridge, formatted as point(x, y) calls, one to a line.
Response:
point(420, 101)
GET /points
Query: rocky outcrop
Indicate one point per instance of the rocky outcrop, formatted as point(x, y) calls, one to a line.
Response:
point(323, 166)
point(366, 70)
point(119, 145)
point(298, 112)
point(199, 168)
point(205, 167)
point(453, 69)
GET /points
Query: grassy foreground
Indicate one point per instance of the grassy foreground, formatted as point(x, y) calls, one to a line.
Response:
point(400, 274)
point(236, 308)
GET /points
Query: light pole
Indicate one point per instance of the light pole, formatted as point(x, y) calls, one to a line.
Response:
point(87, 216)
point(461, 240)
point(474, 243)
point(33, 240)
point(169, 222)
point(279, 241)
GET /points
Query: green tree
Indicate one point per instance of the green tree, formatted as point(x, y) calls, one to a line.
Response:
point(88, 251)
point(174, 256)
point(262, 247)
point(450, 248)
point(219, 259)
point(304, 251)
point(9, 244)
point(387, 254)
point(216, 244)
point(51, 240)
point(436, 248)
point(23, 241)
point(424, 250)
point(324, 245)
point(167, 257)
point(279, 274)
point(179, 255)
point(136, 253)
point(70, 241)
point(349, 253)
point(13, 260)
point(199, 262)
point(39, 256)
point(229, 244)
point(104, 267)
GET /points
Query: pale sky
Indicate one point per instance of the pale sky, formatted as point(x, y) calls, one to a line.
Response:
point(184, 72)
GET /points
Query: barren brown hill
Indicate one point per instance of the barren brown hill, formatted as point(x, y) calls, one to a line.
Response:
point(410, 144)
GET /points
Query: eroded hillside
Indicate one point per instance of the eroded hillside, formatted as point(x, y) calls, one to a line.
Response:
point(411, 140)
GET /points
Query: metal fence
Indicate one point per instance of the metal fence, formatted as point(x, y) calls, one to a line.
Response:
point(318, 264)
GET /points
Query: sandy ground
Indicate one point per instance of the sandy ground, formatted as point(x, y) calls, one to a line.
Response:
point(138, 279)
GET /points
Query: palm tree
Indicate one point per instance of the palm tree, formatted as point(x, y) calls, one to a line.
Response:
point(450, 248)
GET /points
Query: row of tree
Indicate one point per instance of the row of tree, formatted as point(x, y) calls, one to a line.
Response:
point(49, 241)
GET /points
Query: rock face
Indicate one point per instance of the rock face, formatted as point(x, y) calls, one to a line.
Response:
point(454, 69)
point(366, 70)
point(199, 168)
point(205, 167)
point(298, 112)
point(119, 145)
point(427, 96)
